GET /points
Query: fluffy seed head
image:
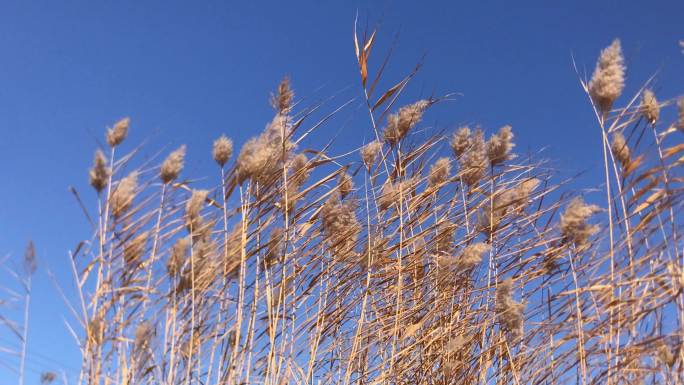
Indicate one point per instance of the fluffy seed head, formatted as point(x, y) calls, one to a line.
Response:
point(223, 149)
point(179, 253)
point(650, 107)
point(260, 159)
point(666, 354)
point(299, 168)
point(340, 226)
point(517, 199)
point(282, 100)
point(173, 165)
point(345, 184)
point(573, 222)
point(472, 255)
point(474, 161)
point(510, 312)
point(369, 153)
point(99, 174)
point(608, 80)
point(391, 193)
point(510, 201)
point(499, 146)
point(135, 248)
point(445, 236)
point(143, 335)
point(194, 205)
point(524, 189)
point(439, 172)
point(460, 141)
point(400, 123)
point(254, 157)
point(123, 194)
point(117, 134)
point(620, 149)
point(298, 174)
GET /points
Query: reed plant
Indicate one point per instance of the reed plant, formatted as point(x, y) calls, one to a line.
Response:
point(445, 258)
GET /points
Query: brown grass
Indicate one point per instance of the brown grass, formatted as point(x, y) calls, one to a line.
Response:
point(392, 265)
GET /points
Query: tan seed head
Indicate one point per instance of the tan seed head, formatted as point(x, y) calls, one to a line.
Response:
point(173, 165)
point(223, 149)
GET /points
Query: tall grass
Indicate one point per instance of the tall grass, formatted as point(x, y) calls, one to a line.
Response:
point(392, 264)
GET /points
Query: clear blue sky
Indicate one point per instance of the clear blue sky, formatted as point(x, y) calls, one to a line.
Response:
point(185, 72)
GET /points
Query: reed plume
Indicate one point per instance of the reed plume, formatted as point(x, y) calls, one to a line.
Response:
point(499, 146)
point(509, 311)
point(460, 141)
point(172, 165)
point(117, 134)
point(260, 158)
point(222, 150)
point(474, 160)
point(340, 226)
point(472, 255)
point(650, 107)
point(608, 80)
point(369, 153)
point(400, 123)
point(99, 173)
point(124, 193)
point(318, 265)
point(282, 100)
point(620, 149)
point(439, 172)
point(574, 225)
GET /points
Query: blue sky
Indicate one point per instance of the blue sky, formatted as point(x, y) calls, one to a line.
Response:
point(185, 72)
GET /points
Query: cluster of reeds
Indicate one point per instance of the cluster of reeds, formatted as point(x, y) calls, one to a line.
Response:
point(405, 262)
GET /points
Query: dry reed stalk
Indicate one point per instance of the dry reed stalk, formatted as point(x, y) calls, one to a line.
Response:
point(321, 268)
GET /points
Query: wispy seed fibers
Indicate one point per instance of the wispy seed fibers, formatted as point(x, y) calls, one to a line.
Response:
point(608, 80)
point(399, 124)
point(117, 134)
point(345, 184)
point(499, 146)
point(193, 208)
point(179, 253)
point(509, 311)
point(222, 150)
point(650, 107)
point(282, 100)
point(340, 225)
point(173, 165)
point(574, 225)
point(472, 255)
point(460, 141)
point(369, 153)
point(99, 173)
point(134, 249)
point(439, 172)
point(474, 161)
point(124, 193)
point(620, 149)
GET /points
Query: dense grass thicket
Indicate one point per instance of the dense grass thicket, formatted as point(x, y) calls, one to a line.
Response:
point(392, 264)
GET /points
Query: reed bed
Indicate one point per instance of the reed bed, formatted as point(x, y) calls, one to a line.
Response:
point(447, 260)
